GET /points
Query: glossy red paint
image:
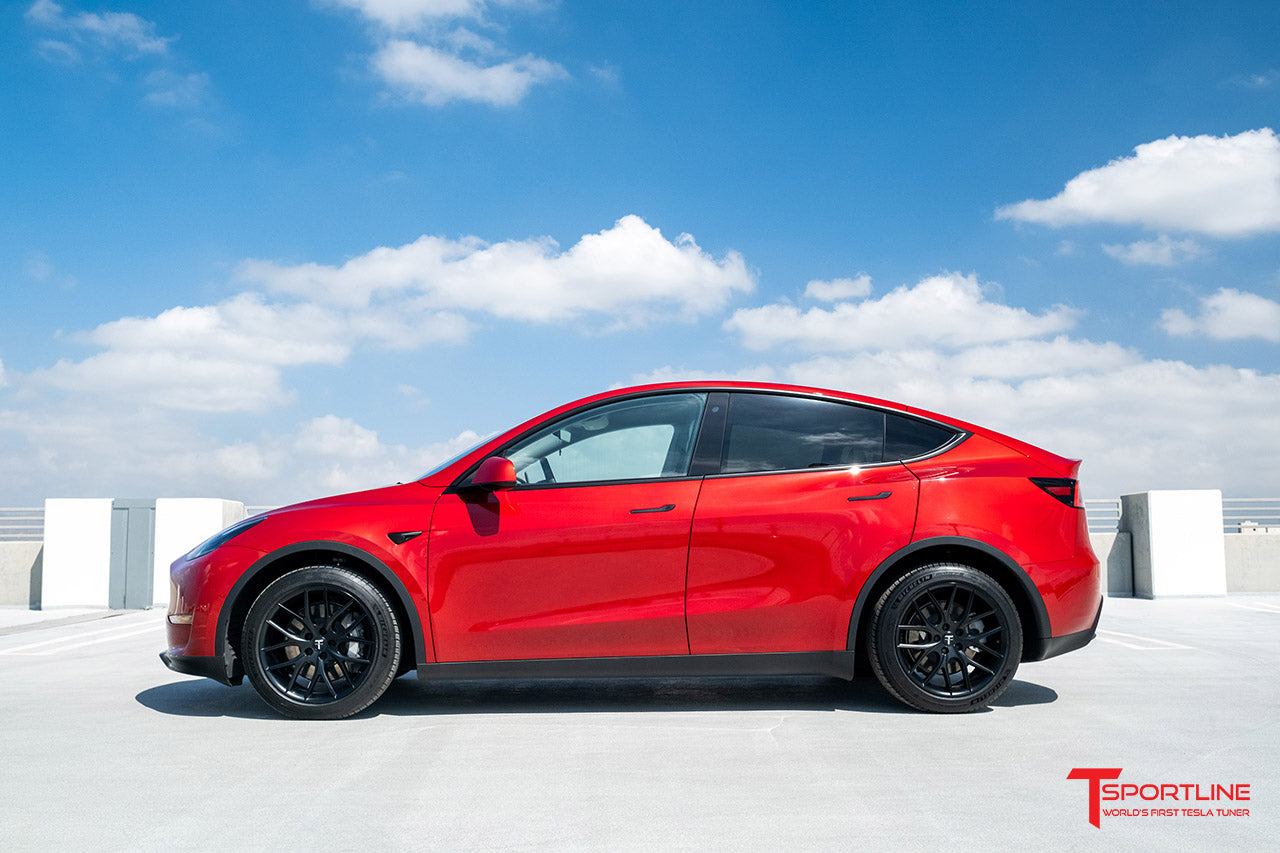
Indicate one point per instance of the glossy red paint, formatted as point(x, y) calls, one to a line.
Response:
point(688, 562)
point(560, 573)
point(777, 559)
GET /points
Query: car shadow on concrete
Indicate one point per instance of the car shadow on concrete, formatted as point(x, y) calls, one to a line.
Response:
point(409, 697)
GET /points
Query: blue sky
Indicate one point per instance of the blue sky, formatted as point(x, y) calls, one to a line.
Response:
point(266, 251)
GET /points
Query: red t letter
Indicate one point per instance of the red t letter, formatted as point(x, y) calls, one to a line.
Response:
point(1095, 775)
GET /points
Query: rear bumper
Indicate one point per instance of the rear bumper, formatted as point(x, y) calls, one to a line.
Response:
point(208, 667)
point(1051, 647)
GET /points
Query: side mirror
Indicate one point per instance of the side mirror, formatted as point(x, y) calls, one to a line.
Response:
point(494, 473)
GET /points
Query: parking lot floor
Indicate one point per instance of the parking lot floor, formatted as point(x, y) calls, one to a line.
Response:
point(101, 747)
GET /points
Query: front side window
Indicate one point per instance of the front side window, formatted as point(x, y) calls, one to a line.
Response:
point(645, 438)
point(778, 433)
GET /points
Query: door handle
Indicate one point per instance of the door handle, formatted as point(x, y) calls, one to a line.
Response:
point(878, 497)
point(663, 508)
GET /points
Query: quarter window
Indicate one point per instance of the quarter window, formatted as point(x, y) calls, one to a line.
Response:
point(779, 433)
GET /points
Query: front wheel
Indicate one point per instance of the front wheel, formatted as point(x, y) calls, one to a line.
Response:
point(321, 643)
point(945, 638)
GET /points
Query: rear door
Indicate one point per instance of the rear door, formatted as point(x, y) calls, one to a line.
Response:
point(803, 509)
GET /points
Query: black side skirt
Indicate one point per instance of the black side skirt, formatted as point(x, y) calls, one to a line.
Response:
point(838, 664)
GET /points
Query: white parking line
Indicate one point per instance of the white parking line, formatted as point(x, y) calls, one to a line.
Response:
point(1142, 644)
point(1259, 606)
point(75, 641)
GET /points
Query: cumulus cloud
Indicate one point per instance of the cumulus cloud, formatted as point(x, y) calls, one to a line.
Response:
point(229, 357)
point(75, 451)
point(434, 76)
point(1161, 252)
point(629, 272)
point(121, 32)
point(1222, 186)
point(838, 288)
point(1228, 315)
point(413, 14)
point(424, 57)
point(944, 310)
point(1139, 423)
point(167, 88)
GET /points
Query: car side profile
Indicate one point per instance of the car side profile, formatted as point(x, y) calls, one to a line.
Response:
point(673, 529)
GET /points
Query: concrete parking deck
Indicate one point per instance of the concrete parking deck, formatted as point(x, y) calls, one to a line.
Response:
point(103, 748)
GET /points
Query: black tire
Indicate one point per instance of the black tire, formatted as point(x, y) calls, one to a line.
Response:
point(321, 643)
point(945, 638)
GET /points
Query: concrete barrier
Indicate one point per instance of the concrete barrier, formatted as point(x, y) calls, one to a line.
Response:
point(1178, 547)
point(1253, 562)
point(1115, 554)
point(21, 570)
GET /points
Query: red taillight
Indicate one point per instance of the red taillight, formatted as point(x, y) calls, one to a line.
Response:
point(1062, 488)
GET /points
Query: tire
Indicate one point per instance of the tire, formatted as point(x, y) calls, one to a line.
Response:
point(321, 643)
point(945, 638)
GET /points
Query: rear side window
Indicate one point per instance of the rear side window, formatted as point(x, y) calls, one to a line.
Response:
point(907, 438)
point(778, 433)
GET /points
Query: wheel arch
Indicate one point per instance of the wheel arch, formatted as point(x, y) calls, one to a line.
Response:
point(298, 555)
point(999, 566)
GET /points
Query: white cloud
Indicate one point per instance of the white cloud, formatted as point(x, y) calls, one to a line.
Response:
point(435, 77)
point(413, 14)
point(1138, 423)
point(167, 88)
point(1228, 315)
point(838, 288)
point(3, 381)
point(944, 310)
point(629, 272)
point(112, 31)
point(443, 62)
point(82, 451)
point(1226, 186)
point(1161, 252)
point(1257, 80)
point(229, 357)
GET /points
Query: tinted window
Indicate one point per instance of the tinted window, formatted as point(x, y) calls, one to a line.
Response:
point(906, 438)
point(775, 433)
point(637, 439)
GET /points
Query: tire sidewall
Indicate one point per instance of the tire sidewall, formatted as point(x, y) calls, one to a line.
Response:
point(386, 647)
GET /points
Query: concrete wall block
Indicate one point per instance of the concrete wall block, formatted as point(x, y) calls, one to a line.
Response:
point(182, 524)
point(1253, 562)
point(1115, 553)
point(1178, 546)
point(77, 552)
point(20, 562)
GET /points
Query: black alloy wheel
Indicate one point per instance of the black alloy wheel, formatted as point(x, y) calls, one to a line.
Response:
point(945, 638)
point(321, 643)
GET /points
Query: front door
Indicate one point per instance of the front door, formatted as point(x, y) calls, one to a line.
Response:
point(585, 556)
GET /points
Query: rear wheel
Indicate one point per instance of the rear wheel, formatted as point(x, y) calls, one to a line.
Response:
point(321, 643)
point(945, 638)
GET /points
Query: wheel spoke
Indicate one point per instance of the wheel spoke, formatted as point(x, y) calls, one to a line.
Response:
point(977, 638)
point(292, 636)
point(345, 636)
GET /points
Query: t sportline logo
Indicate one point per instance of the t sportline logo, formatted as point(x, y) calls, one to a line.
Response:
point(1175, 799)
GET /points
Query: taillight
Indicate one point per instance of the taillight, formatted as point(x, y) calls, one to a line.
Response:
point(1062, 488)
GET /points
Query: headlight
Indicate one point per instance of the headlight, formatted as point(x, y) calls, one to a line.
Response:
point(219, 539)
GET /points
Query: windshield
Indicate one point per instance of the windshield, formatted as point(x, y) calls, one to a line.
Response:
point(448, 462)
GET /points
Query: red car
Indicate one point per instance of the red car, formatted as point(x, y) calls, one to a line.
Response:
point(674, 529)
